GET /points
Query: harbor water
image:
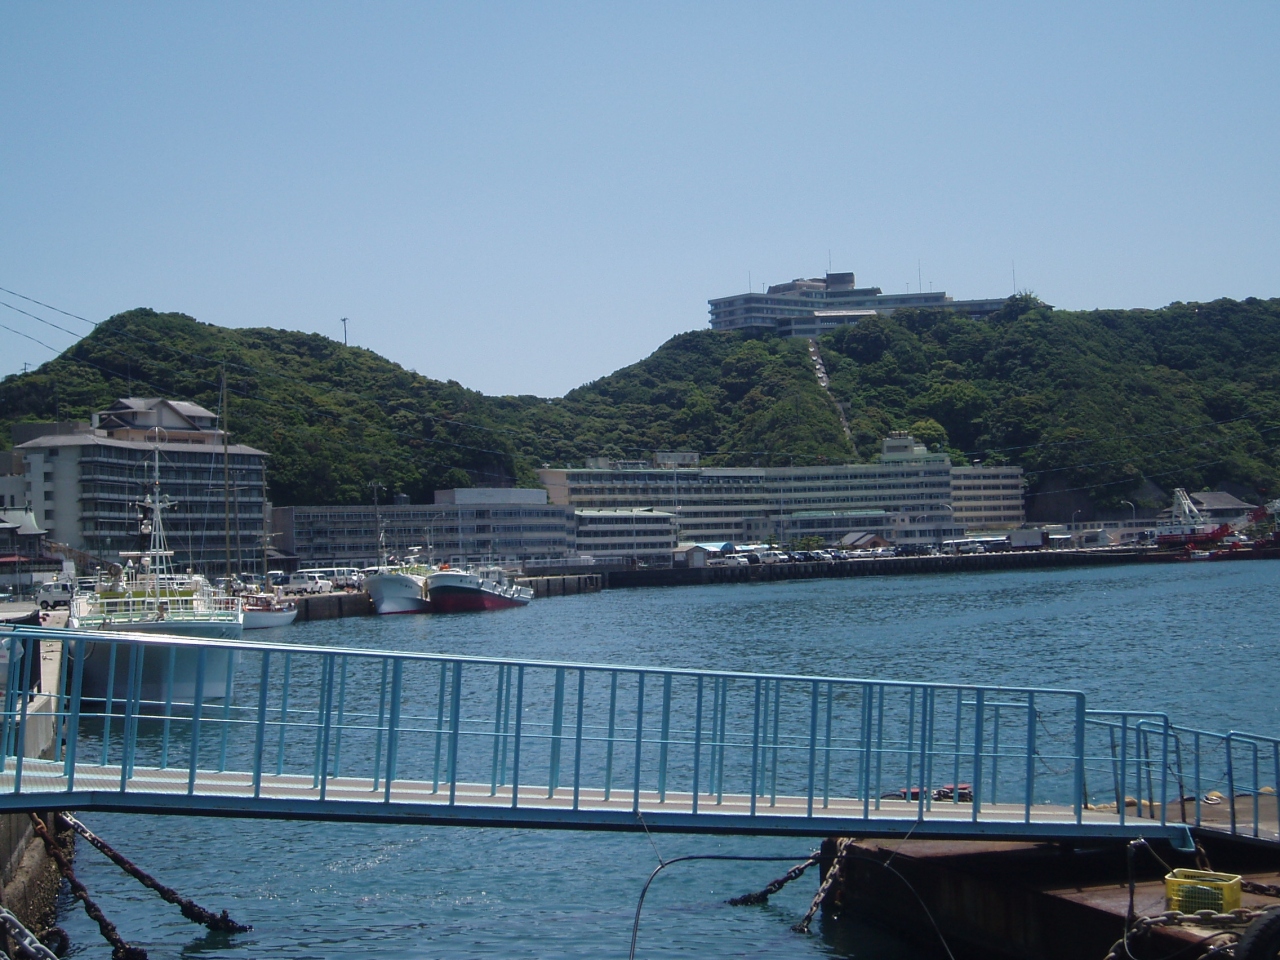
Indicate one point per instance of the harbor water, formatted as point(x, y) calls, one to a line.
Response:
point(1197, 640)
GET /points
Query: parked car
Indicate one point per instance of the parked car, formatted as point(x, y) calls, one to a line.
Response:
point(302, 582)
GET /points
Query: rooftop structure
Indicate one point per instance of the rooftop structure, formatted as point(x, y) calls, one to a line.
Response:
point(807, 308)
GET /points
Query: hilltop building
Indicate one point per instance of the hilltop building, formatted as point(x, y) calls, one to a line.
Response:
point(807, 308)
point(84, 481)
point(909, 495)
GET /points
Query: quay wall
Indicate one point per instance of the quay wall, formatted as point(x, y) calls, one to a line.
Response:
point(880, 566)
point(563, 586)
point(332, 606)
point(29, 879)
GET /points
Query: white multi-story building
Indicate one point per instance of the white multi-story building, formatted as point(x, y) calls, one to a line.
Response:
point(469, 525)
point(641, 533)
point(807, 308)
point(906, 496)
point(988, 498)
point(85, 481)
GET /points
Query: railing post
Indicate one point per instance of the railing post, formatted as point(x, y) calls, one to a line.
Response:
point(515, 750)
point(109, 701)
point(978, 739)
point(1031, 757)
point(497, 730)
point(613, 715)
point(1231, 779)
point(755, 748)
point(826, 754)
point(1123, 805)
point(813, 744)
point(284, 713)
point(342, 706)
point(635, 795)
point(168, 707)
point(393, 725)
point(666, 737)
point(879, 744)
point(28, 656)
point(577, 740)
point(995, 752)
point(382, 709)
point(435, 767)
point(1079, 748)
point(260, 738)
point(331, 663)
point(73, 727)
point(557, 730)
point(455, 722)
point(197, 709)
point(131, 693)
point(1164, 773)
point(777, 716)
point(697, 744)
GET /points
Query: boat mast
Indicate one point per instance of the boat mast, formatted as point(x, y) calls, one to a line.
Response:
point(226, 474)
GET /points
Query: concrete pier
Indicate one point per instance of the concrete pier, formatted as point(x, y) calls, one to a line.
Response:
point(563, 586)
point(889, 566)
point(332, 606)
point(1022, 901)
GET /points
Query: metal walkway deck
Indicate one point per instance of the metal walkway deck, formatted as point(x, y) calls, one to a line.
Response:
point(181, 726)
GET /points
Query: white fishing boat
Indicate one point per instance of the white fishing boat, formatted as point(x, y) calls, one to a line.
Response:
point(262, 610)
point(398, 589)
point(150, 598)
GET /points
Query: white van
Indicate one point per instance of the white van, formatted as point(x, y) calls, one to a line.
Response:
point(55, 593)
point(307, 582)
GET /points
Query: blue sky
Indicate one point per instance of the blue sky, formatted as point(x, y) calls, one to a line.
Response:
point(524, 197)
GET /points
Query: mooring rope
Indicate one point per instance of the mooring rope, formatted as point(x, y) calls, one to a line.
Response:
point(120, 948)
point(190, 909)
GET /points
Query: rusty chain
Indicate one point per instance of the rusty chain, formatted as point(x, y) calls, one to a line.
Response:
point(190, 909)
point(27, 943)
point(762, 896)
point(120, 948)
point(1231, 925)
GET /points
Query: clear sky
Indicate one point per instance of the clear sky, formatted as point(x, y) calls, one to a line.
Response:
point(524, 197)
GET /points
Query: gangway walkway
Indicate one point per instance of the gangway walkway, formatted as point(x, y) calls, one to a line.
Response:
point(182, 726)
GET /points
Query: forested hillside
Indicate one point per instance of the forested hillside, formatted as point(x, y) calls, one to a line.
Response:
point(1100, 407)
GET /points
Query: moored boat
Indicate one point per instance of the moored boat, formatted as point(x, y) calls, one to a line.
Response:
point(262, 610)
point(397, 590)
point(457, 590)
point(151, 599)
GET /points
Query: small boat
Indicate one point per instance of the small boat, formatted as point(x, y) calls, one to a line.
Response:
point(262, 610)
point(458, 590)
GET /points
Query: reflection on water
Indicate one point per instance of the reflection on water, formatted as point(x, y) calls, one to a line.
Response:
point(1170, 638)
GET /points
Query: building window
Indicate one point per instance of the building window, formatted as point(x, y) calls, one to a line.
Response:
point(48, 514)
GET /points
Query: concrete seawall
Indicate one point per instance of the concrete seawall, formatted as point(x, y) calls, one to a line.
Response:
point(882, 566)
point(332, 606)
point(563, 586)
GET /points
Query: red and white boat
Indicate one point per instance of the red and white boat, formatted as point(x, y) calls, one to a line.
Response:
point(458, 590)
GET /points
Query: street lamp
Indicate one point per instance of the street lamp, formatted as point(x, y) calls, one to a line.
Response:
point(1074, 531)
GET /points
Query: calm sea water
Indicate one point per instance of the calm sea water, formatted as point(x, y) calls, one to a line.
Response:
point(1197, 640)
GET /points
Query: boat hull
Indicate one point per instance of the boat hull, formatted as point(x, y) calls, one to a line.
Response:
point(467, 600)
point(397, 593)
point(169, 673)
point(264, 619)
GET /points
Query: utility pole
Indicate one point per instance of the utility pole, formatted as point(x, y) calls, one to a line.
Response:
point(226, 475)
point(344, 331)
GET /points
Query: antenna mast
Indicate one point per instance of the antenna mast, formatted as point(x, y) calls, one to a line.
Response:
point(226, 474)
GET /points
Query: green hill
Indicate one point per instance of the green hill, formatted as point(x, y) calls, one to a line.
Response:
point(1100, 407)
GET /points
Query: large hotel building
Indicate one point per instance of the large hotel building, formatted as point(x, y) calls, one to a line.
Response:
point(908, 495)
point(807, 308)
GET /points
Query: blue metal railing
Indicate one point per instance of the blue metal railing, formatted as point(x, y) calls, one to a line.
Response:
point(250, 720)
